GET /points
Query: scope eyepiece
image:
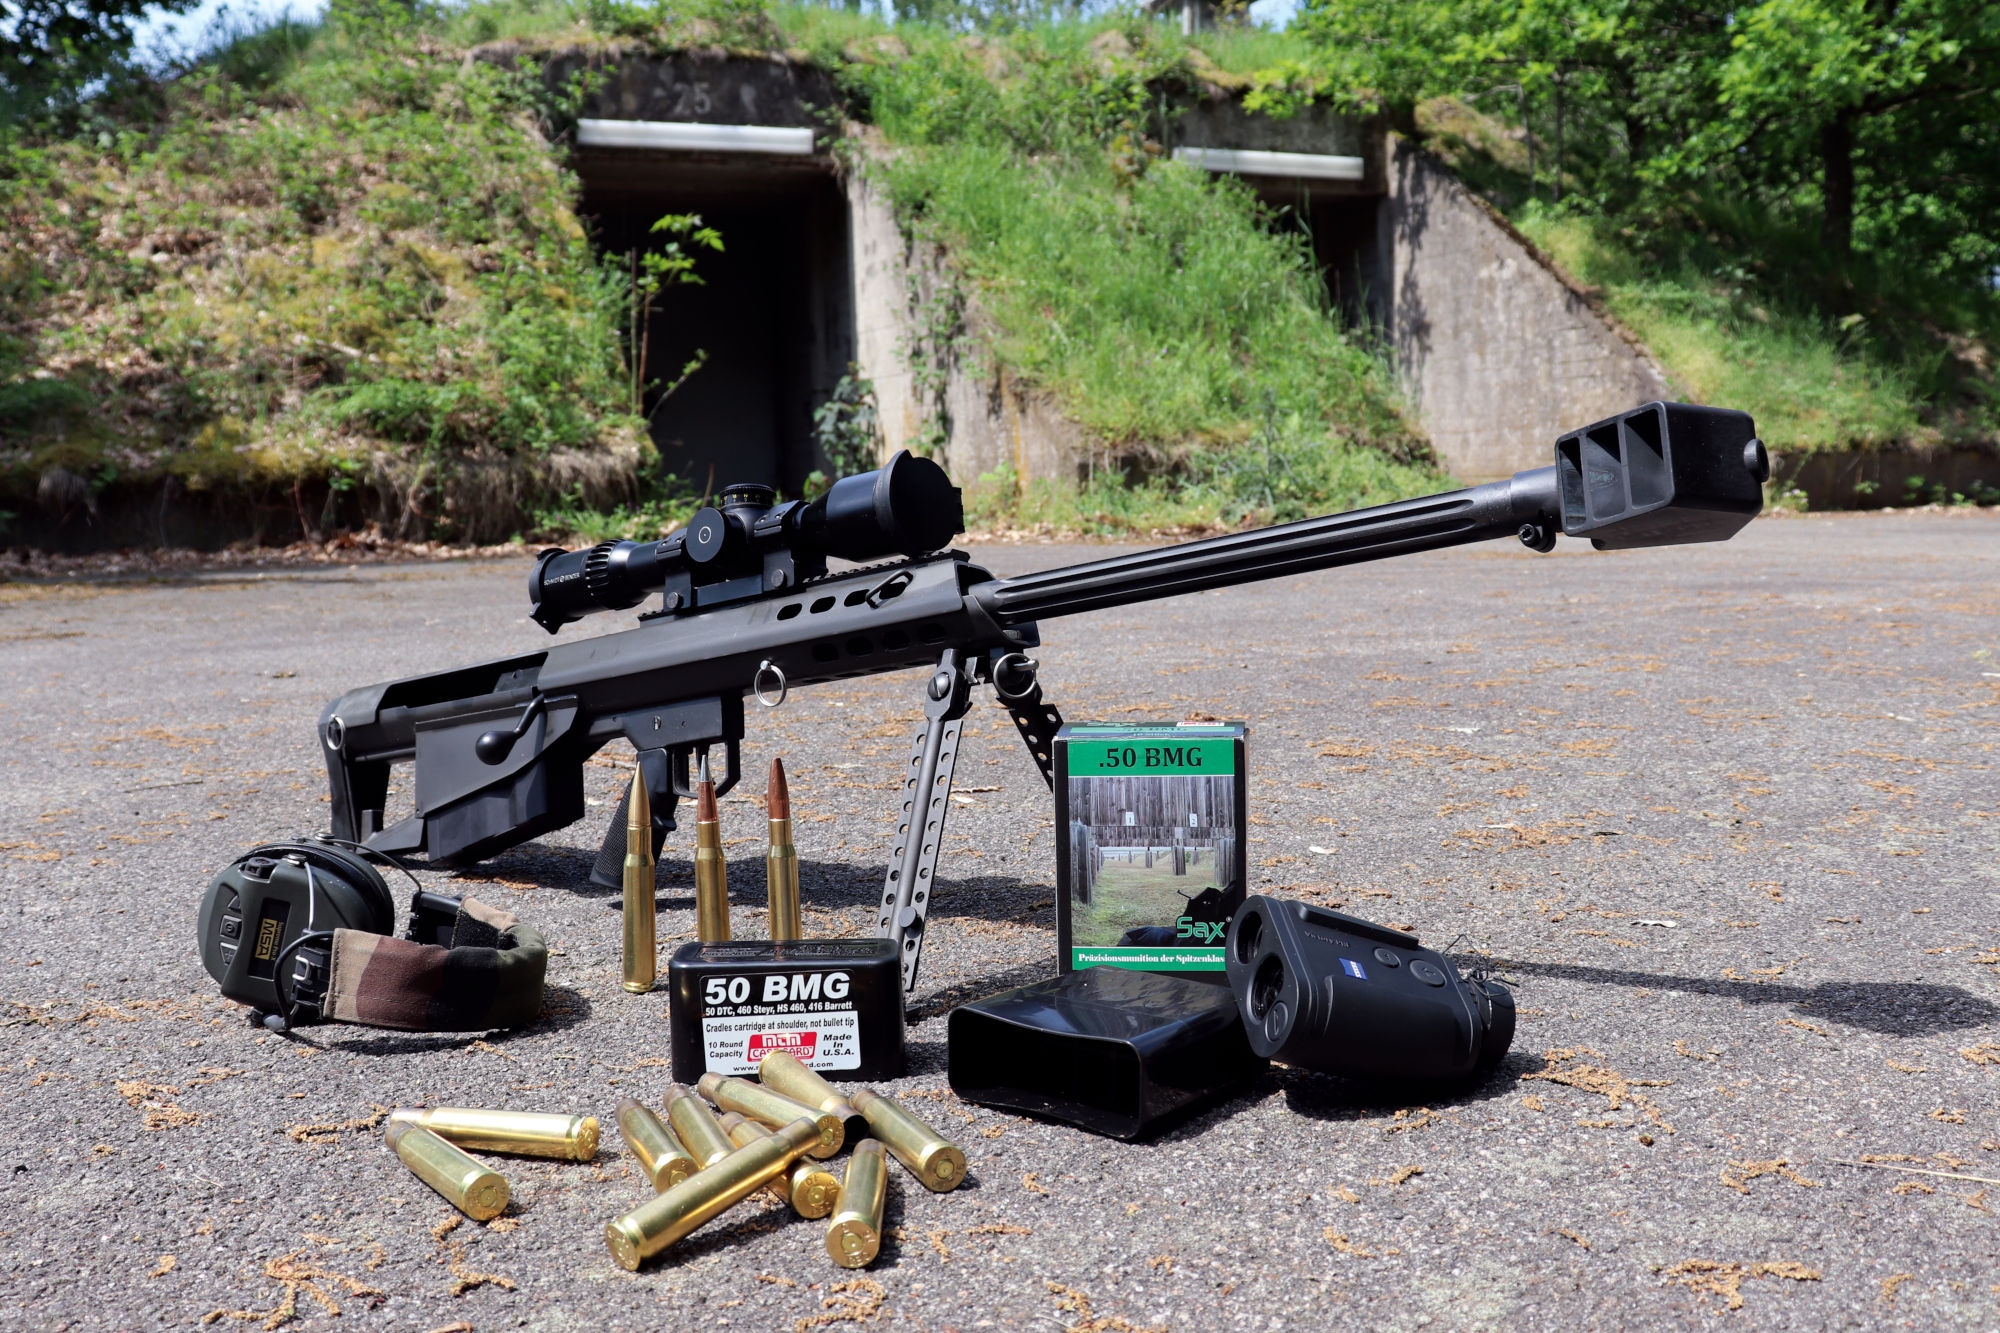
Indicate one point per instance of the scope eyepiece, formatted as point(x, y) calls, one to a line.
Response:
point(907, 507)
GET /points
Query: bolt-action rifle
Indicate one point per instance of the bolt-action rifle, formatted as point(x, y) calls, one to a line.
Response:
point(748, 605)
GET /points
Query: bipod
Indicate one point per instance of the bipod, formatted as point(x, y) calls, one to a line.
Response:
point(906, 893)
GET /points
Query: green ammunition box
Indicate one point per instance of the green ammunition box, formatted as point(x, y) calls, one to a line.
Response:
point(1149, 845)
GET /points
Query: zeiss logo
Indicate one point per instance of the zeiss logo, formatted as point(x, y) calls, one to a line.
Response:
point(1206, 932)
point(1354, 969)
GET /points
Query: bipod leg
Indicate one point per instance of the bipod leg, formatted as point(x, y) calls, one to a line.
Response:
point(926, 800)
point(1019, 686)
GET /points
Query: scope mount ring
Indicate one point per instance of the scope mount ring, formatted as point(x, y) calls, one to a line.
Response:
point(1009, 664)
point(758, 688)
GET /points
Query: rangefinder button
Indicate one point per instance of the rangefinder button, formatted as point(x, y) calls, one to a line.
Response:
point(1388, 958)
point(1427, 973)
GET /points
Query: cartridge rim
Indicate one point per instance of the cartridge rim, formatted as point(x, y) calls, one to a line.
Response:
point(852, 1243)
point(815, 1192)
point(942, 1167)
point(583, 1140)
point(486, 1196)
point(623, 1239)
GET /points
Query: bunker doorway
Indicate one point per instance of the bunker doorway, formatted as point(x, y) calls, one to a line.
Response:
point(773, 311)
point(1348, 244)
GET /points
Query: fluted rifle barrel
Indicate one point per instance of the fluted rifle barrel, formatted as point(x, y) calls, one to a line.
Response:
point(1455, 518)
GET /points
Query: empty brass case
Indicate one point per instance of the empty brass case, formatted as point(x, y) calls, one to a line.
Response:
point(932, 1158)
point(694, 1125)
point(854, 1236)
point(469, 1186)
point(660, 1154)
point(809, 1187)
point(791, 1077)
point(756, 1102)
point(742, 1133)
point(642, 956)
point(665, 1218)
point(572, 1138)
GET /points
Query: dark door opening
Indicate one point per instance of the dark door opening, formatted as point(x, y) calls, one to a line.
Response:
point(1348, 245)
point(773, 310)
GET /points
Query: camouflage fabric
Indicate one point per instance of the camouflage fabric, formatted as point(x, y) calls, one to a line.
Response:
point(491, 977)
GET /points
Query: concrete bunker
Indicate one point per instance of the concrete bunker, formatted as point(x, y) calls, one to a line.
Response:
point(1319, 171)
point(1497, 349)
point(742, 143)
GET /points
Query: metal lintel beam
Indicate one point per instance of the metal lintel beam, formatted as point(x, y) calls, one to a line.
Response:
point(1257, 162)
point(694, 136)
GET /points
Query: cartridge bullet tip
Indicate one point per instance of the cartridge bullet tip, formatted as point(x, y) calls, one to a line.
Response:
point(704, 796)
point(778, 802)
point(639, 809)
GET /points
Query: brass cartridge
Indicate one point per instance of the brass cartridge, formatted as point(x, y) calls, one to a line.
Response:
point(754, 1101)
point(790, 1076)
point(571, 1138)
point(695, 1126)
point(711, 875)
point(660, 1154)
point(642, 955)
point(468, 1185)
point(736, 1127)
point(854, 1236)
point(665, 1218)
point(809, 1187)
point(781, 863)
point(932, 1158)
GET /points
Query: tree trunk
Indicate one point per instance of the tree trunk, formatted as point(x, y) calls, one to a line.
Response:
point(1836, 150)
point(1635, 140)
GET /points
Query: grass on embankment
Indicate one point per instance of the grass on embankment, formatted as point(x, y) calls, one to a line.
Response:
point(338, 273)
point(1164, 309)
point(1741, 308)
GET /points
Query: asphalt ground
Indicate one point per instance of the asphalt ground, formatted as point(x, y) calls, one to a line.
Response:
point(1727, 817)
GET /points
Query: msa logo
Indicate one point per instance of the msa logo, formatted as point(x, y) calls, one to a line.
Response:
point(777, 988)
point(1208, 932)
point(267, 938)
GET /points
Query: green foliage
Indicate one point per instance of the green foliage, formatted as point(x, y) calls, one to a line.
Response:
point(1796, 202)
point(847, 430)
point(664, 501)
point(1160, 306)
point(669, 264)
point(354, 257)
point(1291, 470)
point(53, 51)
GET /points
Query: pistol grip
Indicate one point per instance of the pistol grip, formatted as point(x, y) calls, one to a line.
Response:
point(609, 870)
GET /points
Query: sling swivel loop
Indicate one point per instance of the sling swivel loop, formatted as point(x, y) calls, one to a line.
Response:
point(757, 686)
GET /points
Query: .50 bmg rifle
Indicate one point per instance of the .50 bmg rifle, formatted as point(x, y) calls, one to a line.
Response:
point(749, 606)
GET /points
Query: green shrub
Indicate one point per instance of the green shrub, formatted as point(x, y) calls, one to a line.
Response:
point(342, 257)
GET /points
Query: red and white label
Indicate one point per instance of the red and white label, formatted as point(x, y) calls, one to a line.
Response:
point(799, 1045)
point(736, 1044)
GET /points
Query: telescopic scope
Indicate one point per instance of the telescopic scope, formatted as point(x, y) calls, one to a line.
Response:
point(747, 544)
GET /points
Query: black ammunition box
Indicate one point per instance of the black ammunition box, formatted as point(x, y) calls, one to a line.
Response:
point(837, 1005)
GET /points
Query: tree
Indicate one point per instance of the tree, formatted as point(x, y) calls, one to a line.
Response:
point(52, 51)
point(1808, 79)
point(1876, 118)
